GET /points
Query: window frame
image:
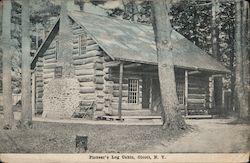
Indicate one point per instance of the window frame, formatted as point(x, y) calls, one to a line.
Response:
point(81, 45)
point(180, 91)
point(133, 95)
point(57, 48)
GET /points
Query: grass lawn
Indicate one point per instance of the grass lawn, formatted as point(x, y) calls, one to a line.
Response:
point(60, 138)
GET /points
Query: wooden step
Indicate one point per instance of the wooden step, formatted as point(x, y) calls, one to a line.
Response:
point(136, 112)
point(197, 90)
point(198, 116)
point(130, 117)
point(196, 96)
point(198, 112)
point(196, 101)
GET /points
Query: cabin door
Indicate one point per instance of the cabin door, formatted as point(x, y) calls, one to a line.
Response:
point(155, 95)
point(146, 82)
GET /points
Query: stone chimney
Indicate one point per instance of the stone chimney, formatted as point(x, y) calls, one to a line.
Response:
point(75, 5)
point(65, 42)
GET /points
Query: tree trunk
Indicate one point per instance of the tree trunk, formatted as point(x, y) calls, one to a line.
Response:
point(241, 104)
point(245, 66)
point(134, 11)
point(26, 115)
point(195, 22)
point(232, 69)
point(7, 92)
point(162, 28)
point(248, 57)
point(215, 30)
point(218, 85)
point(81, 5)
point(1, 17)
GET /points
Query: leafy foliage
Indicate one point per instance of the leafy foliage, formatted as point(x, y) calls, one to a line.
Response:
point(193, 20)
point(41, 12)
point(190, 18)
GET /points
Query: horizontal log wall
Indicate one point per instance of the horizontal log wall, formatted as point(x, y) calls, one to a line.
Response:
point(108, 87)
point(198, 94)
point(89, 70)
point(45, 68)
point(211, 92)
point(125, 104)
point(50, 62)
point(111, 89)
point(39, 85)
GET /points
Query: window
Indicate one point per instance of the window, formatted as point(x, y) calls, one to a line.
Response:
point(1, 86)
point(58, 72)
point(180, 89)
point(133, 91)
point(82, 43)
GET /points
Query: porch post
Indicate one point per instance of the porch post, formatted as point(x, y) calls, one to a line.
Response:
point(120, 91)
point(218, 88)
point(186, 92)
point(223, 95)
point(33, 92)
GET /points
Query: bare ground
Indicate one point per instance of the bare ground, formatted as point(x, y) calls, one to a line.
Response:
point(210, 136)
point(60, 138)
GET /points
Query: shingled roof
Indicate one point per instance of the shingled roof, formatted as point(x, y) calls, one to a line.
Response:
point(128, 41)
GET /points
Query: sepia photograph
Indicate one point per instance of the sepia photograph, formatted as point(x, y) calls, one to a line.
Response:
point(124, 80)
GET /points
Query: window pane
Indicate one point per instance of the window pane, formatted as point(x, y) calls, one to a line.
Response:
point(82, 43)
point(133, 91)
point(180, 89)
point(57, 48)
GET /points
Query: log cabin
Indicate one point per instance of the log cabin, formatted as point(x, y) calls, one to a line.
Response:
point(115, 64)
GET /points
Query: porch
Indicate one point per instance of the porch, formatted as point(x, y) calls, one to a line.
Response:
point(141, 85)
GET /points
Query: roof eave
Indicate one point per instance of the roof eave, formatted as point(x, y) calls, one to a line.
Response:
point(214, 71)
point(46, 43)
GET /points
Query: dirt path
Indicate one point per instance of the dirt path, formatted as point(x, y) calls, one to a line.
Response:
point(211, 135)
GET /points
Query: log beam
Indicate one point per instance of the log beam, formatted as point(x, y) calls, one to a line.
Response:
point(132, 65)
point(193, 72)
point(129, 72)
point(112, 64)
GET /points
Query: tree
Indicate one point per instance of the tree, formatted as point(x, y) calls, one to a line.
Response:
point(218, 85)
point(26, 114)
point(6, 46)
point(1, 17)
point(241, 100)
point(80, 3)
point(162, 28)
point(244, 46)
point(138, 11)
point(171, 115)
point(215, 31)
